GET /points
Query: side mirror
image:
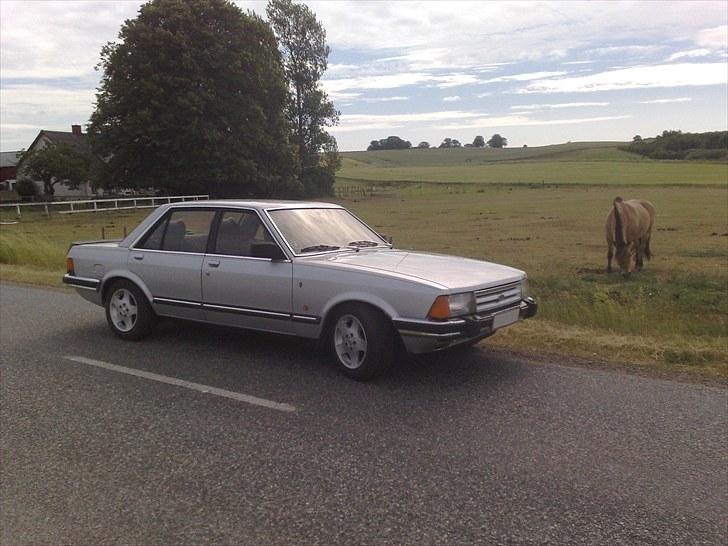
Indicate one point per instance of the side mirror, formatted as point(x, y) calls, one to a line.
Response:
point(266, 249)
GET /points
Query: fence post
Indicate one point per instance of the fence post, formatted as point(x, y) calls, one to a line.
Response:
point(134, 203)
point(116, 203)
point(103, 233)
point(45, 206)
point(71, 203)
point(17, 208)
point(95, 209)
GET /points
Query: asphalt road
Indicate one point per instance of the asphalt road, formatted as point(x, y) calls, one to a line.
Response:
point(460, 449)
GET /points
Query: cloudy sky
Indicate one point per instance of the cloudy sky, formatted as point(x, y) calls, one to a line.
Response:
point(535, 72)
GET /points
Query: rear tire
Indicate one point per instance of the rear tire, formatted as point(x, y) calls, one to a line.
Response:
point(128, 312)
point(361, 341)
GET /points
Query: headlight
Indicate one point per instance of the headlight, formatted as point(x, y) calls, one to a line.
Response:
point(525, 290)
point(454, 305)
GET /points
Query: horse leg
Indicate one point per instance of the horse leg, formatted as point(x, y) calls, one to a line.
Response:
point(610, 255)
point(638, 256)
point(648, 252)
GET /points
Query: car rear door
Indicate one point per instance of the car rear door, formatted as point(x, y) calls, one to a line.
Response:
point(169, 261)
point(239, 289)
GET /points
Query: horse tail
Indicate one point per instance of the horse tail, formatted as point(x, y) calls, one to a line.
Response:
point(618, 229)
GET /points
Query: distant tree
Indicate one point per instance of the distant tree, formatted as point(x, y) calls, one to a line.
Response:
point(389, 143)
point(192, 99)
point(56, 164)
point(423, 144)
point(456, 143)
point(468, 145)
point(678, 145)
point(302, 40)
point(637, 138)
point(525, 145)
point(497, 141)
point(478, 142)
point(446, 143)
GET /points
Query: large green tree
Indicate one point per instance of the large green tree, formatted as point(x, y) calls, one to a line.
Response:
point(497, 141)
point(56, 164)
point(302, 40)
point(192, 99)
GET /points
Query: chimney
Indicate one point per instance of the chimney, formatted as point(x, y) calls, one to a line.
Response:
point(76, 130)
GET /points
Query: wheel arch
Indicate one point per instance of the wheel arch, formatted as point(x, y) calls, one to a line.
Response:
point(112, 276)
point(378, 304)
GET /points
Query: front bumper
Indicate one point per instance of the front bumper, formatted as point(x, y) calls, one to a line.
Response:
point(423, 336)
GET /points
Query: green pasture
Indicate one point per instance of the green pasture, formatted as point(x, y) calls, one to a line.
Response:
point(594, 163)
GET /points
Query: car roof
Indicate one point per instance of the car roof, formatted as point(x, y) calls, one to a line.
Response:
point(260, 204)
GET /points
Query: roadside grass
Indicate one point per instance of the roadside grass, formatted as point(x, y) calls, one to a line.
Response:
point(34, 250)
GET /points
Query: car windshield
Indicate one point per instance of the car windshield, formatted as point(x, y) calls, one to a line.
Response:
point(319, 230)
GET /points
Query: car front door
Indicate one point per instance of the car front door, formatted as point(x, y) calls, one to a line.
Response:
point(239, 289)
point(169, 261)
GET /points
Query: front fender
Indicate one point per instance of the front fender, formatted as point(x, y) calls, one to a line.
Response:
point(365, 297)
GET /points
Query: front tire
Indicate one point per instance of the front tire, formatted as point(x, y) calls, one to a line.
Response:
point(128, 312)
point(361, 341)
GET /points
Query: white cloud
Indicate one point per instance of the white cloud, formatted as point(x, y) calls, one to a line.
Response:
point(666, 101)
point(528, 76)
point(638, 77)
point(426, 36)
point(396, 80)
point(714, 38)
point(690, 54)
point(558, 105)
point(453, 98)
point(521, 121)
point(578, 62)
point(362, 122)
point(384, 99)
point(483, 95)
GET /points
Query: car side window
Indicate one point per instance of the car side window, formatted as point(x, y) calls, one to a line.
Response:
point(237, 231)
point(153, 239)
point(188, 230)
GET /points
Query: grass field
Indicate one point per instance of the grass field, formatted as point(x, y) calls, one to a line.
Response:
point(673, 315)
point(596, 163)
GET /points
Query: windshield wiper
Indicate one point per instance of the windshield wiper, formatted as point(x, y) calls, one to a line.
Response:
point(318, 248)
point(362, 243)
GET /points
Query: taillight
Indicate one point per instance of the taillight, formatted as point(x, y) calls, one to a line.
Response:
point(69, 266)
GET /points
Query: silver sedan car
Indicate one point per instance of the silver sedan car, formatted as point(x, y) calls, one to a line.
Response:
point(300, 268)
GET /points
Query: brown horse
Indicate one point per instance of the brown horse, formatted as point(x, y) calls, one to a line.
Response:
point(629, 228)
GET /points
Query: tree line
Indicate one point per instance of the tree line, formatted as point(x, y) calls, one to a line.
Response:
point(678, 145)
point(199, 96)
point(397, 143)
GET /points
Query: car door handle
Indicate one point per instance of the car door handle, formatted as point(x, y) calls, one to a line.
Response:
point(138, 256)
point(214, 264)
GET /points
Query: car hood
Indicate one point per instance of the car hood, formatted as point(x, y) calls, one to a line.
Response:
point(450, 272)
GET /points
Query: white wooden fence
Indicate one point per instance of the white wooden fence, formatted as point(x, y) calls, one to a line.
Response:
point(98, 205)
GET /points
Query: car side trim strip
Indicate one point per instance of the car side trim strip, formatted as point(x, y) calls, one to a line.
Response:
point(178, 303)
point(263, 313)
point(246, 311)
point(308, 319)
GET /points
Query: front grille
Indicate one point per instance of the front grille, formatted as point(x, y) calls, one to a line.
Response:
point(490, 300)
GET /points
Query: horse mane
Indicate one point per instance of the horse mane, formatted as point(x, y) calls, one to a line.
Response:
point(618, 229)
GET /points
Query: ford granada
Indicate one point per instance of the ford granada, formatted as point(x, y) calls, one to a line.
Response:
point(313, 270)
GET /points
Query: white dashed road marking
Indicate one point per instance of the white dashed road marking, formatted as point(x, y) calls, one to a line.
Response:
point(248, 399)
